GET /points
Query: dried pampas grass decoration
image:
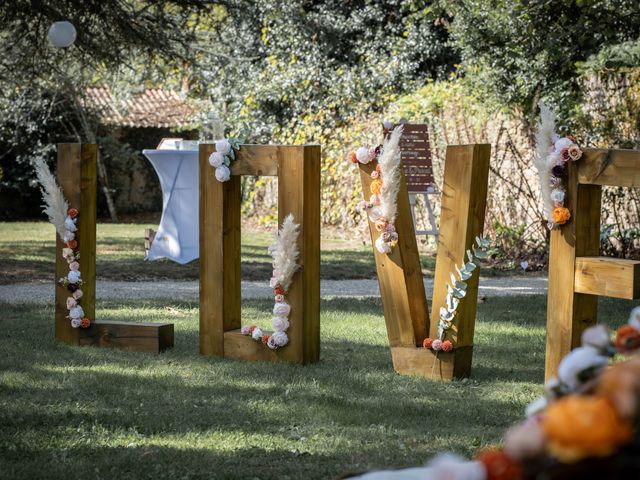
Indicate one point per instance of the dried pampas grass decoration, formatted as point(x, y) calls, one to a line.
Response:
point(545, 137)
point(389, 162)
point(285, 253)
point(55, 206)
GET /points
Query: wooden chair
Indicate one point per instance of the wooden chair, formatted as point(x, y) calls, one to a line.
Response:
point(577, 274)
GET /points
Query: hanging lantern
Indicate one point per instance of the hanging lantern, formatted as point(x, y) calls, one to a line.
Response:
point(62, 34)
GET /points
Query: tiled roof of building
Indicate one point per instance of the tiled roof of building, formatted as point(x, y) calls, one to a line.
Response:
point(154, 107)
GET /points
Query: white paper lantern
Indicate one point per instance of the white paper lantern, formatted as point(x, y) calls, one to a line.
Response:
point(62, 34)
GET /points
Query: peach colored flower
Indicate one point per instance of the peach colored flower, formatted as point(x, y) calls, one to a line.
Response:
point(620, 384)
point(376, 185)
point(426, 343)
point(499, 466)
point(447, 346)
point(627, 339)
point(561, 215)
point(72, 212)
point(575, 153)
point(72, 244)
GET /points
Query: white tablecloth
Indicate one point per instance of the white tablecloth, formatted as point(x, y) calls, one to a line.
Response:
point(178, 234)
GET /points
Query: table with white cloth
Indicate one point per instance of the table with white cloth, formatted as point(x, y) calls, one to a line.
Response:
point(177, 237)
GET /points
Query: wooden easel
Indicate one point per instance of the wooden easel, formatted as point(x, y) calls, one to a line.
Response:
point(577, 274)
point(298, 172)
point(77, 178)
point(404, 301)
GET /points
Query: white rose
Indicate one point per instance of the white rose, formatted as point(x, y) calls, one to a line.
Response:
point(75, 322)
point(76, 312)
point(257, 334)
point(557, 196)
point(223, 146)
point(375, 213)
point(271, 343)
point(77, 294)
point(388, 124)
point(382, 246)
point(280, 338)
point(70, 225)
point(68, 236)
point(216, 159)
point(279, 324)
point(362, 154)
point(281, 309)
point(598, 337)
point(535, 407)
point(223, 173)
point(73, 276)
point(374, 199)
point(578, 360)
point(67, 253)
point(634, 318)
point(562, 143)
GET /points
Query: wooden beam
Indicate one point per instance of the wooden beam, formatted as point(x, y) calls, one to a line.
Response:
point(243, 347)
point(261, 160)
point(135, 337)
point(619, 168)
point(424, 362)
point(609, 277)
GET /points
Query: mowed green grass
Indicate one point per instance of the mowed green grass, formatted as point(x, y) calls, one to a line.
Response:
point(71, 412)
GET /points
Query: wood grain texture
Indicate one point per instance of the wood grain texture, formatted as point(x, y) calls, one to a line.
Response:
point(136, 337)
point(608, 277)
point(260, 160)
point(570, 313)
point(243, 347)
point(426, 363)
point(462, 212)
point(399, 274)
point(609, 167)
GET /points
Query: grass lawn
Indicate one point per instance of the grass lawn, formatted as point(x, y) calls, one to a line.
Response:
point(68, 412)
point(27, 254)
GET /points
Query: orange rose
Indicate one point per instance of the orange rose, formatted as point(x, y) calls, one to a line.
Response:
point(578, 426)
point(561, 215)
point(621, 386)
point(72, 212)
point(376, 185)
point(426, 343)
point(627, 339)
point(353, 158)
point(72, 244)
point(447, 346)
point(85, 322)
point(499, 466)
point(381, 225)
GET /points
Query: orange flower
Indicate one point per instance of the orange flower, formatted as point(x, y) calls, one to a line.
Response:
point(72, 212)
point(500, 466)
point(426, 343)
point(265, 339)
point(627, 339)
point(85, 322)
point(447, 346)
point(578, 426)
point(72, 244)
point(353, 158)
point(561, 215)
point(378, 168)
point(376, 185)
point(381, 225)
point(621, 386)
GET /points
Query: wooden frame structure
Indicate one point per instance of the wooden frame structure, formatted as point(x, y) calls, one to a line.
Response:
point(77, 178)
point(404, 301)
point(298, 172)
point(577, 274)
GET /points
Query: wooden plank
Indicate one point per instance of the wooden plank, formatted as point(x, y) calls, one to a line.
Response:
point(462, 212)
point(299, 194)
point(138, 337)
point(243, 347)
point(569, 313)
point(260, 160)
point(609, 277)
point(426, 363)
point(219, 256)
point(399, 273)
point(87, 227)
point(609, 167)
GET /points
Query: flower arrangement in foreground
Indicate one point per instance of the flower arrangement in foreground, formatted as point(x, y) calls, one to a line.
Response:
point(383, 203)
point(223, 156)
point(456, 292)
point(285, 254)
point(585, 426)
point(552, 155)
point(64, 219)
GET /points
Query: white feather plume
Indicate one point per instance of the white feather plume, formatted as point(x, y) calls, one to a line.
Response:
point(55, 206)
point(544, 139)
point(389, 162)
point(285, 252)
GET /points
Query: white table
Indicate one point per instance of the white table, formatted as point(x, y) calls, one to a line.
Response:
point(178, 234)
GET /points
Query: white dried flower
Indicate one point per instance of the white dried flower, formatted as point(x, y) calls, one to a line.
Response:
point(216, 159)
point(557, 196)
point(271, 343)
point(280, 338)
point(257, 334)
point(76, 312)
point(634, 318)
point(362, 154)
point(223, 173)
point(561, 143)
point(382, 246)
point(73, 276)
point(77, 294)
point(281, 309)
point(75, 322)
point(223, 146)
point(68, 236)
point(279, 324)
point(453, 467)
point(577, 361)
point(598, 337)
point(70, 224)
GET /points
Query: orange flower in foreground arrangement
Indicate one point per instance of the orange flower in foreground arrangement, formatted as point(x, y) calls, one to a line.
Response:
point(621, 386)
point(627, 339)
point(353, 158)
point(579, 426)
point(500, 466)
point(376, 185)
point(72, 212)
point(426, 343)
point(561, 215)
point(447, 346)
point(72, 244)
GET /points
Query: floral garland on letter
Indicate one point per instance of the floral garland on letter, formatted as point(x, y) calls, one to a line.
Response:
point(552, 154)
point(64, 220)
point(383, 203)
point(285, 254)
point(223, 156)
